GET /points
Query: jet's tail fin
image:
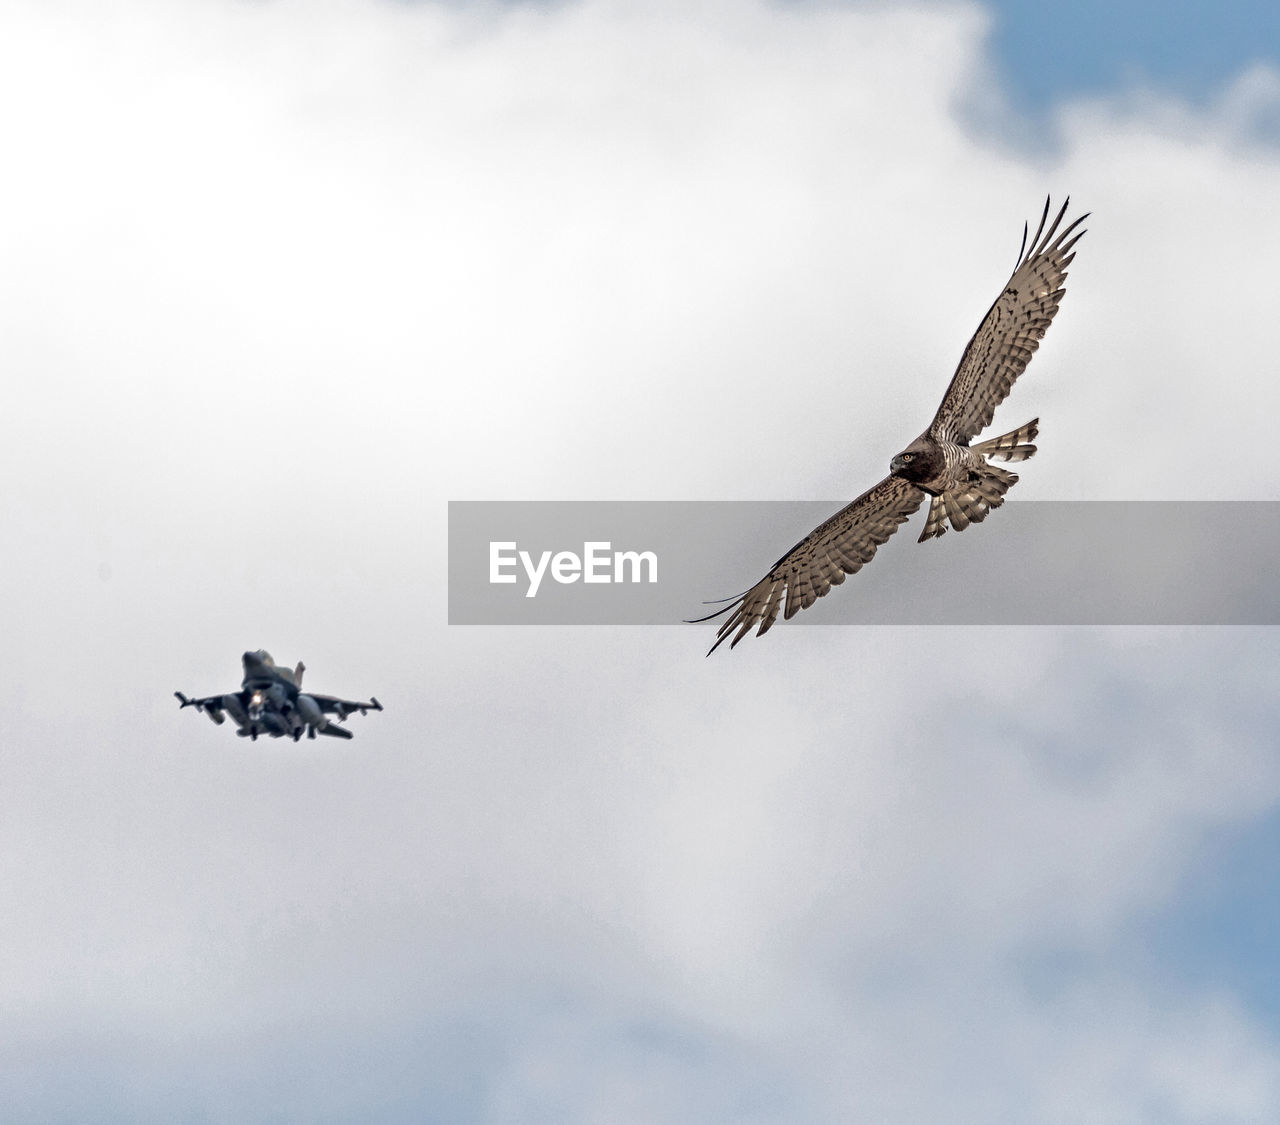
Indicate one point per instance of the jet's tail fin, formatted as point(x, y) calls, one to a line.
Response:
point(297, 673)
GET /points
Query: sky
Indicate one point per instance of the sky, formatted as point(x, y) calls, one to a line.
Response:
point(281, 280)
point(1099, 49)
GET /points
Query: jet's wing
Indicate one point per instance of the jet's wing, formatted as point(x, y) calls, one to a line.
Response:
point(215, 706)
point(210, 703)
point(332, 705)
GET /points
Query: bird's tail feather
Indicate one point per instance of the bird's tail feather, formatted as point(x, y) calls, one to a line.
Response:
point(970, 502)
point(1013, 446)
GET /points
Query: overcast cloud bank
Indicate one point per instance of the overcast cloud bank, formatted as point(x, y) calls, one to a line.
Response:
point(281, 280)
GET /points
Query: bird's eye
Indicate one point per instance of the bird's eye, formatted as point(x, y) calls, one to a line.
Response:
point(907, 456)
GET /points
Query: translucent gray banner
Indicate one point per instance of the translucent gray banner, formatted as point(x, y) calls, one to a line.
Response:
point(1030, 563)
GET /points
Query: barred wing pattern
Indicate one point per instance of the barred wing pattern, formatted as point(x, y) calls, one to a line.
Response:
point(821, 560)
point(1010, 333)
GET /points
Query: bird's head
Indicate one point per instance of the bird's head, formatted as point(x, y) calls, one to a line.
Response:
point(919, 462)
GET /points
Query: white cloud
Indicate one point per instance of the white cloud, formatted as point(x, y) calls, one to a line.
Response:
point(282, 279)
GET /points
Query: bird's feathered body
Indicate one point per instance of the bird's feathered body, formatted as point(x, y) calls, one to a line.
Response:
point(962, 484)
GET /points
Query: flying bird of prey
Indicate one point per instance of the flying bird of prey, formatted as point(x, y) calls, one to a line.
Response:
point(958, 477)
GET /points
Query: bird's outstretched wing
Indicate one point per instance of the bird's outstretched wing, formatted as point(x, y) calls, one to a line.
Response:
point(835, 548)
point(1010, 332)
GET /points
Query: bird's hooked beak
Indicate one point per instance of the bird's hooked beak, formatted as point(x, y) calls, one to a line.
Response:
point(896, 464)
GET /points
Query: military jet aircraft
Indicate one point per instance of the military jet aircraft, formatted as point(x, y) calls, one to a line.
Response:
point(271, 701)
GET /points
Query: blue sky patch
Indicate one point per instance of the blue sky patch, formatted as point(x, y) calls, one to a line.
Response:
point(1049, 52)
